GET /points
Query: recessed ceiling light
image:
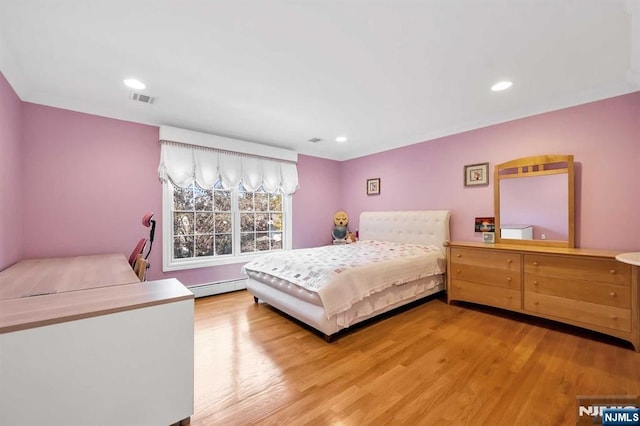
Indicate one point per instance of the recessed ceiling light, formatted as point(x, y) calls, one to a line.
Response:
point(134, 84)
point(503, 85)
point(341, 139)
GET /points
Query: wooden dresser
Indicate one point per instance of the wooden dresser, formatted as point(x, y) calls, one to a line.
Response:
point(585, 288)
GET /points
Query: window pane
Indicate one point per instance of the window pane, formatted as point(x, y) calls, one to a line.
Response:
point(245, 201)
point(247, 222)
point(247, 242)
point(182, 223)
point(275, 222)
point(204, 245)
point(276, 241)
point(203, 199)
point(275, 202)
point(222, 200)
point(183, 247)
point(262, 241)
point(261, 200)
point(204, 223)
point(223, 223)
point(262, 222)
point(223, 244)
point(182, 198)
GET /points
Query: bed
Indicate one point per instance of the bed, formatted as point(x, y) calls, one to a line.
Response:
point(398, 260)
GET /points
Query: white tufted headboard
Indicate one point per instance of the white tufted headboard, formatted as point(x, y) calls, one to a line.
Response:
point(425, 227)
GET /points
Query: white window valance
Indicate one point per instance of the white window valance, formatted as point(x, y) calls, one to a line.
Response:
point(184, 164)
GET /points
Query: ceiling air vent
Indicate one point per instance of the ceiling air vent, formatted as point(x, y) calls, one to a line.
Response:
point(139, 97)
point(315, 140)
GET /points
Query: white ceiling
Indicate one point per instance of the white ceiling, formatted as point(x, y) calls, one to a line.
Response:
point(384, 73)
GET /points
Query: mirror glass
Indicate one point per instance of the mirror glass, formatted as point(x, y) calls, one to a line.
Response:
point(540, 202)
point(534, 201)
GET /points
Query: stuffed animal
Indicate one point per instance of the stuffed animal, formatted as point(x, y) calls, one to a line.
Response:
point(351, 237)
point(340, 220)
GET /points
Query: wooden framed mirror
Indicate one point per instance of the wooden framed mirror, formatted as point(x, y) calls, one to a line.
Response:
point(534, 201)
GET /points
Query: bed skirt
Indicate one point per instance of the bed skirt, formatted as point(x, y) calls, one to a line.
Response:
point(314, 315)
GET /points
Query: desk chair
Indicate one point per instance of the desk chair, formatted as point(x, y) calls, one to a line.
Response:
point(137, 259)
point(149, 223)
point(140, 267)
point(137, 251)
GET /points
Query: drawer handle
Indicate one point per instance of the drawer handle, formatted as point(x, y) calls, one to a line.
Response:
point(612, 294)
point(536, 303)
point(458, 270)
point(509, 297)
point(458, 286)
point(612, 271)
point(535, 264)
point(508, 278)
point(458, 255)
point(535, 283)
point(509, 261)
point(613, 317)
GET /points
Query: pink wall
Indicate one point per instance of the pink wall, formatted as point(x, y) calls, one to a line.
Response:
point(603, 136)
point(90, 180)
point(86, 180)
point(10, 175)
point(316, 202)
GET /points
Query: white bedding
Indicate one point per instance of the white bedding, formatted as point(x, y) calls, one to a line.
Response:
point(344, 275)
point(421, 227)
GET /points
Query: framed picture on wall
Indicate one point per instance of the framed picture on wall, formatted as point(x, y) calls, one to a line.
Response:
point(373, 186)
point(476, 174)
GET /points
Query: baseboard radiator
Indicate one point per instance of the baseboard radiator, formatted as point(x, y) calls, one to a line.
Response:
point(219, 287)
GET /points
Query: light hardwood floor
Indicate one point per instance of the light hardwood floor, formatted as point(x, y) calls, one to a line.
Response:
point(434, 364)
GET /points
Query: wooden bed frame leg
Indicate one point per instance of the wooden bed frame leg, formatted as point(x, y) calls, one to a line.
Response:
point(255, 299)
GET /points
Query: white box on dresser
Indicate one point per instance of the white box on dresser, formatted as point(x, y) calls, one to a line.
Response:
point(516, 232)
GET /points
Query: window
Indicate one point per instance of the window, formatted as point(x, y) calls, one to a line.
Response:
point(260, 221)
point(217, 226)
point(224, 200)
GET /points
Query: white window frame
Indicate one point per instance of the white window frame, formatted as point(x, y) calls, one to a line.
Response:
point(169, 263)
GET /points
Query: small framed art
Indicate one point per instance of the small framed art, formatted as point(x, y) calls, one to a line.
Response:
point(485, 224)
point(373, 186)
point(476, 174)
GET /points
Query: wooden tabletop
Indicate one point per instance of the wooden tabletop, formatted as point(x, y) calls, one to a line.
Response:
point(40, 292)
point(35, 277)
point(536, 249)
point(37, 311)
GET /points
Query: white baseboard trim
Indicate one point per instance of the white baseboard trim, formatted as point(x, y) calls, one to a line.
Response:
point(219, 287)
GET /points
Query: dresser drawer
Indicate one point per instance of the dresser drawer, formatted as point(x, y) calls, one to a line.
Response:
point(576, 310)
point(486, 259)
point(489, 276)
point(600, 270)
point(586, 291)
point(485, 294)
